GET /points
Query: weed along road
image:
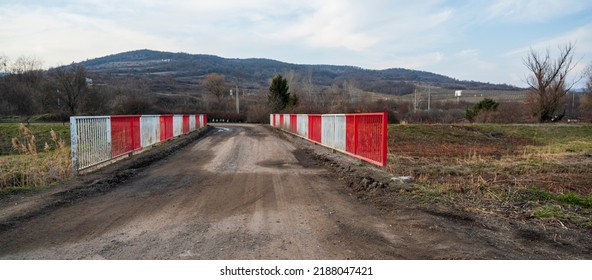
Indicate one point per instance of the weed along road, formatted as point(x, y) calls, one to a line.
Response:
point(246, 192)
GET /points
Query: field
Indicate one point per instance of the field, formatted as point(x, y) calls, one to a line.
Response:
point(440, 95)
point(521, 171)
point(40, 130)
point(42, 158)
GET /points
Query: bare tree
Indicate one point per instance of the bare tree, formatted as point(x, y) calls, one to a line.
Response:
point(70, 84)
point(20, 85)
point(308, 86)
point(3, 64)
point(586, 100)
point(548, 80)
point(215, 85)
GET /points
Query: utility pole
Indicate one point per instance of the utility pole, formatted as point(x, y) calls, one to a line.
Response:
point(429, 97)
point(415, 100)
point(237, 101)
point(573, 102)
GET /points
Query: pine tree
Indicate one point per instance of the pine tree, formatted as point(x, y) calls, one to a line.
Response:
point(279, 95)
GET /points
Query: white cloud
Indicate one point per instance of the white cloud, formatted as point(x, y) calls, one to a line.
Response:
point(421, 61)
point(61, 37)
point(533, 10)
point(581, 37)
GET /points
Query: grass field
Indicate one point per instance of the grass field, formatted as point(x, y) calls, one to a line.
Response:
point(524, 171)
point(40, 130)
point(44, 157)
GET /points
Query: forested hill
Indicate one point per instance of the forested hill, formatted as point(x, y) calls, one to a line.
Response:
point(257, 72)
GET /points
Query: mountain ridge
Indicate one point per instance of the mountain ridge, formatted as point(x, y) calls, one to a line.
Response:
point(255, 73)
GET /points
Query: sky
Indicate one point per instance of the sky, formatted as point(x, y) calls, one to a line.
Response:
point(468, 40)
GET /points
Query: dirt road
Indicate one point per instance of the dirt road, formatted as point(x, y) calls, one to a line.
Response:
point(242, 192)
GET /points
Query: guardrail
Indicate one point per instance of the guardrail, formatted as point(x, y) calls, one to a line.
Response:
point(98, 139)
point(362, 136)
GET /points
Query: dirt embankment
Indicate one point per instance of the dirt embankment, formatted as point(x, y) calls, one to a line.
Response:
point(250, 192)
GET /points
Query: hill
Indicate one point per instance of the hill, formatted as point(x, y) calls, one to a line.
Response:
point(182, 71)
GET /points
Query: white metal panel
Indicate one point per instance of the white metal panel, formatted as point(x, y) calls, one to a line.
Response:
point(286, 124)
point(303, 125)
point(177, 125)
point(328, 130)
point(277, 120)
point(192, 126)
point(91, 138)
point(339, 140)
point(149, 130)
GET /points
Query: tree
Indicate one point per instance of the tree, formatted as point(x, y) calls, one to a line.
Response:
point(486, 104)
point(548, 82)
point(279, 96)
point(20, 85)
point(70, 84)
point(216, 86)
point(586, 100)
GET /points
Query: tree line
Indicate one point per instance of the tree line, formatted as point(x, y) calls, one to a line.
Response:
point(63, 91)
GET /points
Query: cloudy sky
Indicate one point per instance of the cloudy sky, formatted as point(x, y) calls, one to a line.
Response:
point(468, 40)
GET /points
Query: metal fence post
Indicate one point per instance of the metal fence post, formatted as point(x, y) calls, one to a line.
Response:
point(74, 144)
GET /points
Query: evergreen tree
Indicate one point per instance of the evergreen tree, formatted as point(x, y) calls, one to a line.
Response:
point(486, 104)
point(279, 95)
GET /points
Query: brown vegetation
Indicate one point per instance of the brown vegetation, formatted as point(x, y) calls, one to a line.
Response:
point(31, 168)
point(504, 169)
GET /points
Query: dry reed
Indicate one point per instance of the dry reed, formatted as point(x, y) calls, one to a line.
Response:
point(31, 169)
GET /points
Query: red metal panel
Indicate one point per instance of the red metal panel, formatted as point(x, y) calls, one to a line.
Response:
point(185, 124)
point(294, 123)
point(166, 127)
point(372, 137)
point(281, 120)
point(384, 148)
point(314, 128)
point(351, 135)
point(205, 120)
point(125, 134)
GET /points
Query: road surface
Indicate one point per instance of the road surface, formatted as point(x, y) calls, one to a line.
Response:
point(242, 192)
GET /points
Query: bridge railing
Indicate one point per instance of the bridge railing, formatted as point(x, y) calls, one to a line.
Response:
point(99, 139)
point(362, 136)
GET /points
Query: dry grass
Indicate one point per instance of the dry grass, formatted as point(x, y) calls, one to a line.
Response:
point(517, 171)
point(31, 169)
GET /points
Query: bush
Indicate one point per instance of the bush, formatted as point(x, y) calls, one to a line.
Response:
point(486, 104)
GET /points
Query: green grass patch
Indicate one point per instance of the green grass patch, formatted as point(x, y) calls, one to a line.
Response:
point(41, 132)
point(570, 199)
point(548, 211)
point(548, 138)
point(575, 199)
point(536, 194)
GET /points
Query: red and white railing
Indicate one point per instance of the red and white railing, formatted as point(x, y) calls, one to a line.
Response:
point(363, 136)
point(99, 139)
